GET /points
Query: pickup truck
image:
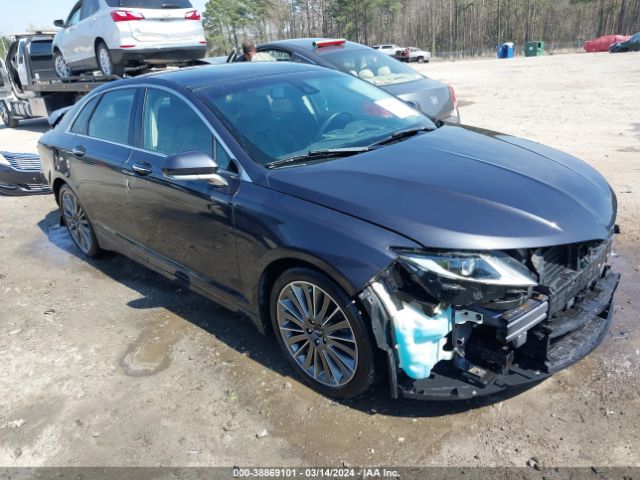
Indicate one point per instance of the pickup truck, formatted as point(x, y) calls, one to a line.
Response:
point(413, 54)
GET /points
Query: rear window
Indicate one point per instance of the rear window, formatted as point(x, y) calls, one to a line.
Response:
point(41, 49)
point(158, 4)
point(370, 65)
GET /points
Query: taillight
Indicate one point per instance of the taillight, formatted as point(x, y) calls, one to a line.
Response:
point(453, 96)
point(126, 16)
point(192, 15)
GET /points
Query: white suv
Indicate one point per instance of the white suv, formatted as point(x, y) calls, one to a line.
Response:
point(109, 35)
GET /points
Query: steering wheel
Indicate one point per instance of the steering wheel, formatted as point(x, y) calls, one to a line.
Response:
point(324, 128)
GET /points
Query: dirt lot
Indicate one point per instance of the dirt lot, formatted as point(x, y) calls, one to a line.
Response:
point(105, 363)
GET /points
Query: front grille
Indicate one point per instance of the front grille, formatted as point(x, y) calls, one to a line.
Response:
point(35, 187)
point(566, 271)
point(25, 162)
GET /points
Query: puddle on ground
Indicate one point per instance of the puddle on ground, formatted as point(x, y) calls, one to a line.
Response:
point(150, 353)
point(48, 248)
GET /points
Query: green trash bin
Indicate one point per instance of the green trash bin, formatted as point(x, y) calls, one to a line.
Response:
point(533, 49)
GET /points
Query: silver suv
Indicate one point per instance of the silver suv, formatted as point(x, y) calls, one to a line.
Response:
point(110, 35)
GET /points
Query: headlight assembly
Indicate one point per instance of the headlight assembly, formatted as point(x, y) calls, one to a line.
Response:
point(4, 161)
point(461, 278)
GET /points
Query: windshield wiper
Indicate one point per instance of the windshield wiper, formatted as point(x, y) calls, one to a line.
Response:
point(313, 154)
point(400, 135)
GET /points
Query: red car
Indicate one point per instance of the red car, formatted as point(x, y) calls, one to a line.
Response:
point(602, 44)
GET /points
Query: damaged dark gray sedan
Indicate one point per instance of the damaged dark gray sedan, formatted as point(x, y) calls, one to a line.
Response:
point(371, 242)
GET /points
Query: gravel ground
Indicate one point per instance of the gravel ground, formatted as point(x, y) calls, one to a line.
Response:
point(105, 363)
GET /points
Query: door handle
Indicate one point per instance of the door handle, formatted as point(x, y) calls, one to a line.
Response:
point(142, 168)
point(79, 151)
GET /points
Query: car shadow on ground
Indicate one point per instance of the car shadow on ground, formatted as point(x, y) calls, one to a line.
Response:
point(37, 125)
point(239, 333)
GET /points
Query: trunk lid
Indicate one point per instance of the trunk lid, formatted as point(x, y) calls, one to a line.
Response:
point(164, 20)
point(433, 97)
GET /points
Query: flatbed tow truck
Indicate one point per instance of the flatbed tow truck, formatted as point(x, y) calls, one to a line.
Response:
point(29, 87)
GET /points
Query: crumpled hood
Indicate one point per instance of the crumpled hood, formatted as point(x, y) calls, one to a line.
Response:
point(462, 188)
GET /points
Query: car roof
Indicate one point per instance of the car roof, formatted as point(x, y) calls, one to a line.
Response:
point(194, 78)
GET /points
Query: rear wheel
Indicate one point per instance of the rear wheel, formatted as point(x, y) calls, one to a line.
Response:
point(77, 222)
point(322, 333)
point(105, 63)
point(60, 66)
point(7, 117)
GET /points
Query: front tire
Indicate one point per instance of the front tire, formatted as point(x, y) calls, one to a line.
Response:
point(420, 59)
point(78, 223)
point(322, 334)
point(62, 69)
point(105, 63)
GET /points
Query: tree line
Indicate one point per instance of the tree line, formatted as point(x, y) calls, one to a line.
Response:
point(443, 26)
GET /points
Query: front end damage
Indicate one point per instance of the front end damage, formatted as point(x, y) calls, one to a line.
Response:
point(461, 325)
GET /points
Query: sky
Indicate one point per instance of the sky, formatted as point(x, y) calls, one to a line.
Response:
point(17, 15)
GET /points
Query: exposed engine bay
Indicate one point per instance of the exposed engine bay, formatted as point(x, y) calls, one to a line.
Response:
point(462, 324)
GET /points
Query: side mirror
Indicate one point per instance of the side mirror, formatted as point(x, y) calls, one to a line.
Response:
point(57, 115)
point(193, 165)
point(58, 23)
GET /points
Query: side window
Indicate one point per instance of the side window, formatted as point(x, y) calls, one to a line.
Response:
point(277, 55)
point(171, 126)
point(298, 59)
point(111, 119)
point(74, 16)
point(81, 122)
point(89, 7)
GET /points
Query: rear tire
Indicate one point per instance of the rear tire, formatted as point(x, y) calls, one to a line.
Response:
point(78, 223)
point(62, 69)
point(322, 333)
point(105, 63)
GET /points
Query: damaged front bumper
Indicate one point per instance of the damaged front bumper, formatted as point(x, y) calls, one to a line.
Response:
point(487, 351)
point(21, 174)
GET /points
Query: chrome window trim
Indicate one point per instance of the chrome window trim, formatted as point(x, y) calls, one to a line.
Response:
point(242, 172)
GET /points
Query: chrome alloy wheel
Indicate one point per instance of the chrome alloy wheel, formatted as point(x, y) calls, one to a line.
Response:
point(106, 67)
point(4, 113)
point(62, 69)
point(77, 222)
point(317, 334)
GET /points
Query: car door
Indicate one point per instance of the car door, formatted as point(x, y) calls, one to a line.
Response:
point(187, 225)
point(21, 57)
point(97, 154)
point(67, 39)
point(5, 86)
point(85, 34)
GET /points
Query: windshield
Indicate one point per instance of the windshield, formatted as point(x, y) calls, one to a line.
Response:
point(285, 116)
point(371, 65)
point(154, 4)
